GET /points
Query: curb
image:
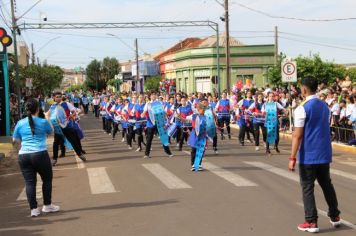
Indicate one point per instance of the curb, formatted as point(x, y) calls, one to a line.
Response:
point(335, 146)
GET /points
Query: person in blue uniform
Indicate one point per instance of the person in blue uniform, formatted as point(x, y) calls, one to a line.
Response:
point(311, 140)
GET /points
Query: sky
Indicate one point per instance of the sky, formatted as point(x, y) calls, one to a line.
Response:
point(334, 41)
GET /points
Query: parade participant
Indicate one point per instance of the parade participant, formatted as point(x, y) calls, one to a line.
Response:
point(76, 100)
point(69, 131)
point(151, 126)
point(59, 138)
point(139, 125)
point(197, 138)
point(311, 137)
point(244, 119)
point(271, 109)
point(183, 128)
point(117, 115)
point(103, 112)
point(33, 157)
point(127, 113)
point(109, 116)
point(85, 103)
point(212, 100)
point(124, 120)
point(223, 109)
point(258, 120)
point(96, 105)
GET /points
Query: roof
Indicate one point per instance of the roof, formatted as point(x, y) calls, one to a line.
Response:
point(198, 43)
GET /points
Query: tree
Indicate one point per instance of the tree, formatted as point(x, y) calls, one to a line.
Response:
point(100, 73)
point(109, 68)
point(352, 73)
point(93, 75)
point(45, 78)
point(152, 84)
point(309, 66)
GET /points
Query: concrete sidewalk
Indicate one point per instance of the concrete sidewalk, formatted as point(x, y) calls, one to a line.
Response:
point(5, 147)
point(336, 146)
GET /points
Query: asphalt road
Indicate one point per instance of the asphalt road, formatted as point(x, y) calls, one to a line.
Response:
point(117, 192)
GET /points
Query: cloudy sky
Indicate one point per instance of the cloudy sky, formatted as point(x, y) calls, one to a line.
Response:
point(334, 41)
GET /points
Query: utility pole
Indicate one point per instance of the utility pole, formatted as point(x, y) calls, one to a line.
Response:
point(227, 47)
point(275, 45)
point(33, 58)
point(137, 69)
point(17, 79)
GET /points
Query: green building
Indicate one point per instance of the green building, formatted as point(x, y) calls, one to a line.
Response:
point(192, 63)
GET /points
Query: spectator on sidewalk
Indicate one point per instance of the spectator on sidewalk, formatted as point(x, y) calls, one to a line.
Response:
point(33, 158)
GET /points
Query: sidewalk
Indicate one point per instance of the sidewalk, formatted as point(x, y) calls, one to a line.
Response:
point(5, 147)
point(336, 146)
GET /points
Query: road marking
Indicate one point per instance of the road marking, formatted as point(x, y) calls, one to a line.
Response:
point(324, 213)
point(80, 163)
point(68, 168)
point(349, 163)
point(23, 196)
point(275, 170)
point(228, 175)
point(166, 177)
point(343, 174)
point(99, 181)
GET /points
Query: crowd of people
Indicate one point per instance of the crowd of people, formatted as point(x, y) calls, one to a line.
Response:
point(193, 120)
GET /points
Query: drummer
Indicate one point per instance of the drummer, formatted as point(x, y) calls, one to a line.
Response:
point(258, 120)
point(151, 127)
point(140, 122)
point(194, 138)
point(116, 109)
point(125, 114)
point(103, 113)
point(183, 128)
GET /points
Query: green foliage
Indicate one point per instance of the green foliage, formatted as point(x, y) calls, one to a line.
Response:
point(309, 66)
point(46, 78)
point(352, 73)
point(100, 73)
point(75, 88)
point(152, 84)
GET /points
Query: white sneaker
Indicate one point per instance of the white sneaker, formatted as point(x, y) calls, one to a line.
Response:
point(170, 155)
point(138, 150)
point(123, 140)
point(257, 148)
point(129, 147)
point(200, 168)
point(35, 212)
point(50, 208)
point(145, 156)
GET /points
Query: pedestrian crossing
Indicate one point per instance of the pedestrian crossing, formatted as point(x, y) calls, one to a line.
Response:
point(101, 182)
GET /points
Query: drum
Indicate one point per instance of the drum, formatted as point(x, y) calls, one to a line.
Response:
point(61, 116)
point(131, 121)
point(117, 118)
point(200, 125)
point(102, 113)
point(172, 130)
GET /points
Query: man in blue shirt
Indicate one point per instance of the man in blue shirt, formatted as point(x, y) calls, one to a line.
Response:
point(311, 136)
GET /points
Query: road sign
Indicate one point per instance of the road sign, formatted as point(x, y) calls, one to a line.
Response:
point(29, 82)
point(289, 71)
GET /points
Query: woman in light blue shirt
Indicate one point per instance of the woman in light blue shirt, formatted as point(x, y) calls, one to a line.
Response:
point(33, 158)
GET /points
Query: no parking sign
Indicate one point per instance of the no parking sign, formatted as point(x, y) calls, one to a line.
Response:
point(289, 71)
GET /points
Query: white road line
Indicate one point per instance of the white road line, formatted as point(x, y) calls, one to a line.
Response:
point(284, 173)
point(68, 168)
point(324, 213)
point(228, 175)
point(166, 177)
point(23, 197)
point(343, 174)
point(80, 163)
point(99, 181)
point(349, 163)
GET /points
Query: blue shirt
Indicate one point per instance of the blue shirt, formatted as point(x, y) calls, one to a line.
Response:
point(32, 143)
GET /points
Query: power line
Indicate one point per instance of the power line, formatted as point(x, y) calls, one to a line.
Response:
point(319, 44)
point(291, 18)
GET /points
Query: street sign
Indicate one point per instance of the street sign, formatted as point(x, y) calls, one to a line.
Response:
point(29, 82)
point(289, 71)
